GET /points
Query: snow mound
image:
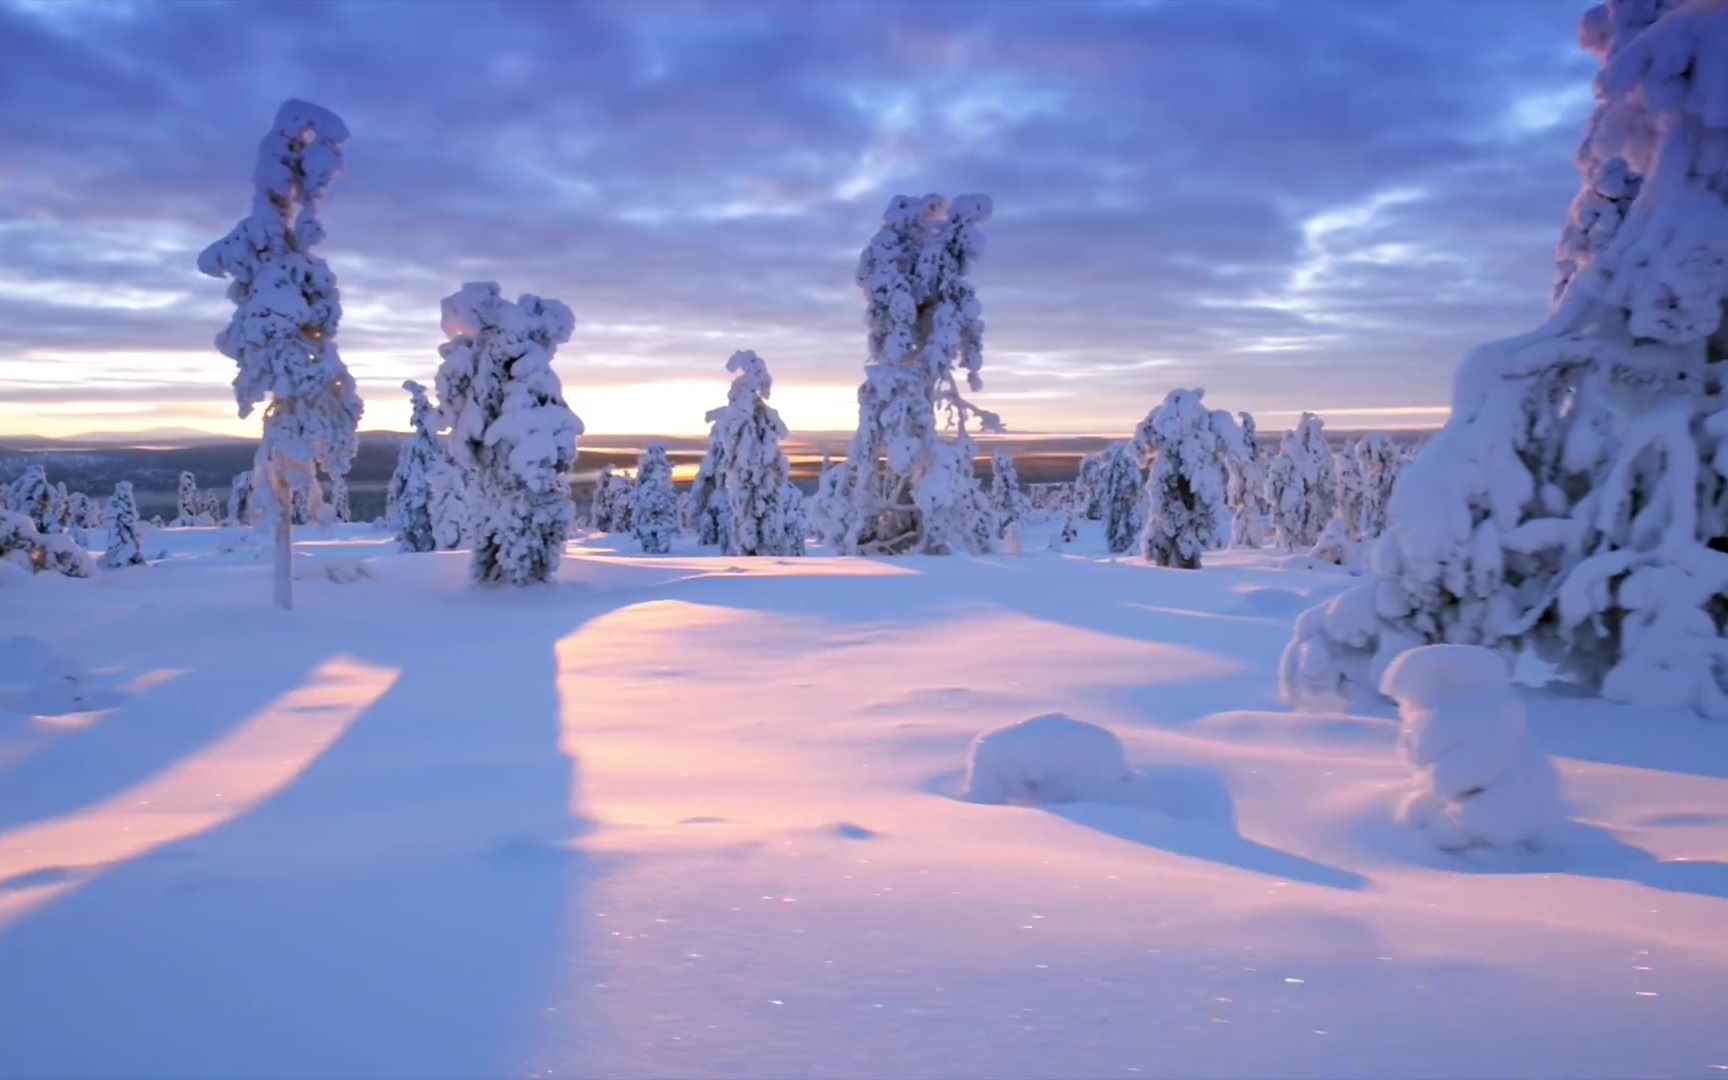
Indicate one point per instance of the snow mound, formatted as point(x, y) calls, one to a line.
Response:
point(1479, 781)
point(1048, 759)
point(37, 680)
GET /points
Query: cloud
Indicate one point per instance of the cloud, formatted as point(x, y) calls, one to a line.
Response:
point(1293, 205)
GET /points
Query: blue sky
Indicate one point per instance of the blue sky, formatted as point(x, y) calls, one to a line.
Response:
point(1301, 205)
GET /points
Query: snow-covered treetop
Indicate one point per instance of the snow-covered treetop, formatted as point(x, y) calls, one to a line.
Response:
point(287, 308)
point(751, 380)
point(496, 385)
point(1182, 418)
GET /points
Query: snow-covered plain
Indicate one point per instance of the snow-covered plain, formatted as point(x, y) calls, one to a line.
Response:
point(700, 816)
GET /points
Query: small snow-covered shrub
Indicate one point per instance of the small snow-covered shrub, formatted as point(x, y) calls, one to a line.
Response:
point(1479, 781)
point(1335, 545)
point(1048, 759)
point(22, 545)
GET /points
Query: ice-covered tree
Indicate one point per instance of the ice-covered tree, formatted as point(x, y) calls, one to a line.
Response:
point(125, 544)
point(1121, 493)
point(1300, 486)
point(1379, 461)
point(610, 510)
point(510, 430)
point(910, 490)
point(1186, 445)
point(708, 516)
point(410, 495)
point(1088, 486)
point(1007, 500)
point(59, 509)
point(33, 497)
point(794, 527)
point(654, 503)
point(1245, 488)
point(1575, 505)
point(754, 472)
point(287, 309)
point(340, 511)
point(209, 507)
point(240, 498)
point(1347, 481)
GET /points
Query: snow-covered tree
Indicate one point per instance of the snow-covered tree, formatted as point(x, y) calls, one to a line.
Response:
point(1089, 486)
point(85, 512)
point(1300, 486)
point(240, 498)
point(754, 472)
point(59, 509)
point(1575, 505)
point(410, 494)
point(33, 497)
point(706, 517)
point(1121, 492)
point(654, 503)
point(1007, 500)
point(23, 545)
point(794, 527)
point(610, 510)
point(910, 490)
point(125, 545)
point(340, 511)
point(1347, 482)
point(510, 430)
point(1478, 780)
point(287, 309)
point(1186, 445)
point(1245, 488)
point(209, 507)
point(449, 505)
point(1379, 462)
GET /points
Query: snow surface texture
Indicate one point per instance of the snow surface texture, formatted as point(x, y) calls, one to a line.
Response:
point(1576, 503)
point(1479, 782)
point(1186, 445)
point(510, 430)
point(287, 309)
point(1048, 759)
point(906, 489)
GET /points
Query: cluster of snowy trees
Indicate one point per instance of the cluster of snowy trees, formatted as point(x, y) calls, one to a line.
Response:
point(1575, 505)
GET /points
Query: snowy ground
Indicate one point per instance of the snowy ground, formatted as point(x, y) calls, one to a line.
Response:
point(696, 816)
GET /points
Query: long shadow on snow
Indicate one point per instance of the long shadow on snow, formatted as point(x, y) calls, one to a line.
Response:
point(1587, 850)
point(403, 908)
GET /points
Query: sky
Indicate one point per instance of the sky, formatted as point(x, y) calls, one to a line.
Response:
point(1297, 205)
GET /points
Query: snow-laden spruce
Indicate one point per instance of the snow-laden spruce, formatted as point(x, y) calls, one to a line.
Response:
point(1300, 486)
point(1245, 488)
point(1089, 488)
point(908, 489)
point(510, 431)
point(1048, 759)
point(610, 510)
point(340, 511)
point(754, 472)
point(654, 503)
point(707, 515)
point(410, 494)
point(1478, 780)
point(1575, 505)
point(125, 545)
point(287, 309)
point(33, 497)
point(1122, 497)
point(1378, 463)
point(240, 499)
point(187, 507)
point(1009, 503)
point(1186, 444)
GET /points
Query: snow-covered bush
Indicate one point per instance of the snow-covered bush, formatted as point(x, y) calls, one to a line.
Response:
point(22, 545)
point(1245, 488)
point(910, 490)
point(410, 493)
point(125, 546)
point(1186, 445)
point(1121, 493)
point(1048, 759)
point(654, 503)
point(754, 472)
point(1300, 486)
point(510, 430)
point(1575, 505)
point(287, 309)
point(1479, 781)
point(1335, 545)
point(1009, 503)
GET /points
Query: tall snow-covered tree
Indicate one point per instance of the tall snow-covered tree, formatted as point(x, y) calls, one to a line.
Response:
point(420, 456)
point(754, 471)
point(1121, 493)
point(1300, 486)
point(1186, 445)
point(654, 503)
point(125, 546)
point(510, 429)
point(1006, 497)
point(1575, 505)
point(910, 490)
point(287, 309)
point(240, 498)
point(1245, 488)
